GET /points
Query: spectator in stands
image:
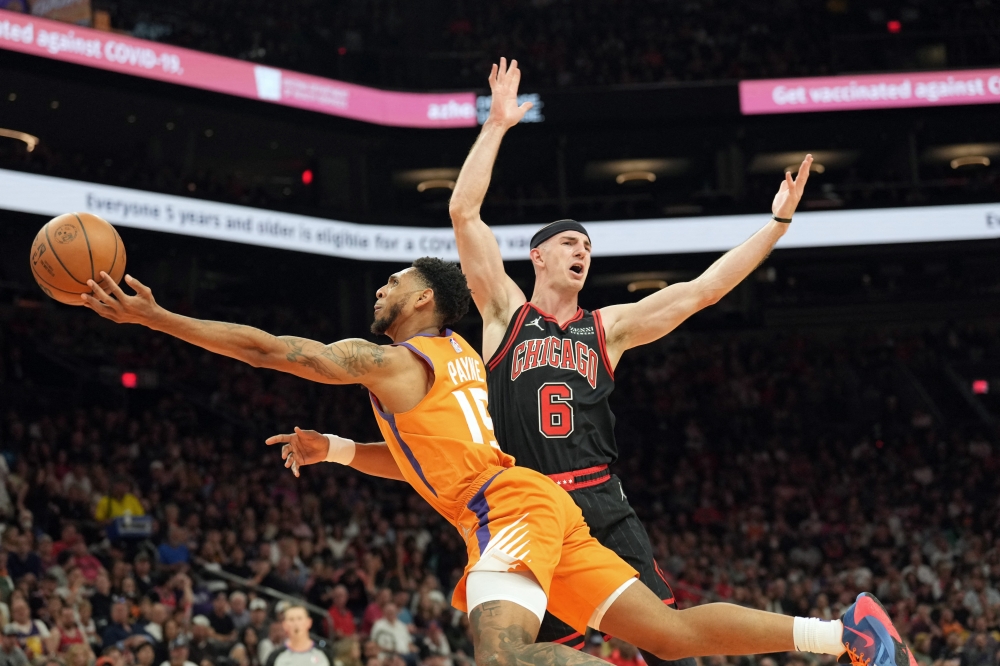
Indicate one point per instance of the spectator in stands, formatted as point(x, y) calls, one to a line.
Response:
point(69, 536)
point(434, 647)
point(238, 611)
point(24, 560)
point(11, 653)
point(89, 565)
point(142, 568)
point(203, 645)
point(33, 637)
point(223, 627)
point(341, 618)
point(179, 653)
point(101, 600)
point(392, 635)
point(67, 632)
point(118, 503)
point(624, 654)
point(250, 639)
point(174, 553)
point(87, 624)
point(347, 652)
point(78, 655)
point(375, 610)
point(274, 640)
point(145, 654)
point(258, 616)
point(154, 626)
point(119, 628)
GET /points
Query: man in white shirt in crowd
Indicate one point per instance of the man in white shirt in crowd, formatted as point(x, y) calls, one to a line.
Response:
point(392, 635)
point(275, 637)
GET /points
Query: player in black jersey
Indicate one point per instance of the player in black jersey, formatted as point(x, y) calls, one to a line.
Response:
point(551, 364)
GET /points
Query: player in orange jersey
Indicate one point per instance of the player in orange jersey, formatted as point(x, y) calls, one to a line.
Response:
point(529, 547)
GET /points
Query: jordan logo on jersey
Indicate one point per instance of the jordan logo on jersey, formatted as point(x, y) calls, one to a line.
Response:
point(536, 322)
point(555, 353)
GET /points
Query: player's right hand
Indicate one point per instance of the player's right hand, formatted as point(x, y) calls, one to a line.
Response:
point(109, 301)
point(504, 110)
point(303, 447)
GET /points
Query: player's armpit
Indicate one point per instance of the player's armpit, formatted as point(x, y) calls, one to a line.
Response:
point(633, 324)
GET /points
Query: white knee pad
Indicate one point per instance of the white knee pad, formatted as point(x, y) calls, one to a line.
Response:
point(514, 586)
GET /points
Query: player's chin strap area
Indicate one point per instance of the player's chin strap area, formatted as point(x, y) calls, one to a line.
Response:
point(582, 478)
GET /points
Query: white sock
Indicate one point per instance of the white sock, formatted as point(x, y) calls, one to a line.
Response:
point(820, 636)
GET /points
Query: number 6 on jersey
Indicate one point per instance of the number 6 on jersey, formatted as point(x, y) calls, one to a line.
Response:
point(555, 410)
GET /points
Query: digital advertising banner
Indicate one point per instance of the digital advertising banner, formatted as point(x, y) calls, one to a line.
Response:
point(48, 196)
point(152, 60)
point(870, 91)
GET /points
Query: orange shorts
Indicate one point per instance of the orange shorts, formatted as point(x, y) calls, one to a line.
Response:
point(520, 519)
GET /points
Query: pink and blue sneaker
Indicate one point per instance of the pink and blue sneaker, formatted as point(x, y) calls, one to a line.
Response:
point(869, 637)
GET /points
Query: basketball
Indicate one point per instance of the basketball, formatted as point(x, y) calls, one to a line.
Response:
point(71, 249)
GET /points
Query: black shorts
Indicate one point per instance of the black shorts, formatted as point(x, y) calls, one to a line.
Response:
point(613, 522)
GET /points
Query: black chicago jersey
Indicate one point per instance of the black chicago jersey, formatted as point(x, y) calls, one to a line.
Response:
point(549, 388)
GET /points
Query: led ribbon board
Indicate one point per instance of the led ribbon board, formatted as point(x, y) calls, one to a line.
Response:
point(48, 196)
point(870, 91)
point(162, 62)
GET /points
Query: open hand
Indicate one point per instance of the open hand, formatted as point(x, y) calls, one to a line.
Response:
point(504, 80)
point(303, 447)
point(790, 193)
point(109, 301)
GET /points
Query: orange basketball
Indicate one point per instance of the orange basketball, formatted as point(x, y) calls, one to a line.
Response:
point(71, 249)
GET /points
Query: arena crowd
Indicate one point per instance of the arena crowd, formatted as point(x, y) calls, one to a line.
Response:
point(786, 473)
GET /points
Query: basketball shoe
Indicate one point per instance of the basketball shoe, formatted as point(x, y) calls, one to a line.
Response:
point(870, 638)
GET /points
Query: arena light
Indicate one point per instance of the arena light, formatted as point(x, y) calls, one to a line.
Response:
point(646, 285)
point(769, 163)
point(307, 177)
point(435, 184)
point(631, 169)
point(970, 160)
point(632, 176)
point(29, 140)
point(894, 27)
point(130, 380)
point(428, 178)
point(980, 386)
point(816, 167)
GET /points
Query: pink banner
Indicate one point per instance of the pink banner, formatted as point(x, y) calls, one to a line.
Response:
point(152, 60)
point(871, 91)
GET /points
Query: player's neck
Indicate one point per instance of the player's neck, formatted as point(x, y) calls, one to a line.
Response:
point(409, 329)
point(559, 304)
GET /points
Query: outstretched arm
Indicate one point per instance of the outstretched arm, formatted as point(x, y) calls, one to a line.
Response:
point(495, 294)
point(352, 361)
point(633, 324)
point(308, 447)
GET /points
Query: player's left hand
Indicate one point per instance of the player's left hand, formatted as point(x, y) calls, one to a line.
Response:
point(109, 301)
point(301, 448)
point(790, 193)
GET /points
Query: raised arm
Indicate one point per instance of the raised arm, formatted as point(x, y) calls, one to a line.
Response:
point(352, 361)
point(308, 447)
point(495, 294)
point(633, 324)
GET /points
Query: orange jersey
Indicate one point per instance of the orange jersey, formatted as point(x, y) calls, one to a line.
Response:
point(445, 446)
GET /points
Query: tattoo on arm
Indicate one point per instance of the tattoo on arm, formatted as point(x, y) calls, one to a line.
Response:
point(501, 644)
point(355, 357)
